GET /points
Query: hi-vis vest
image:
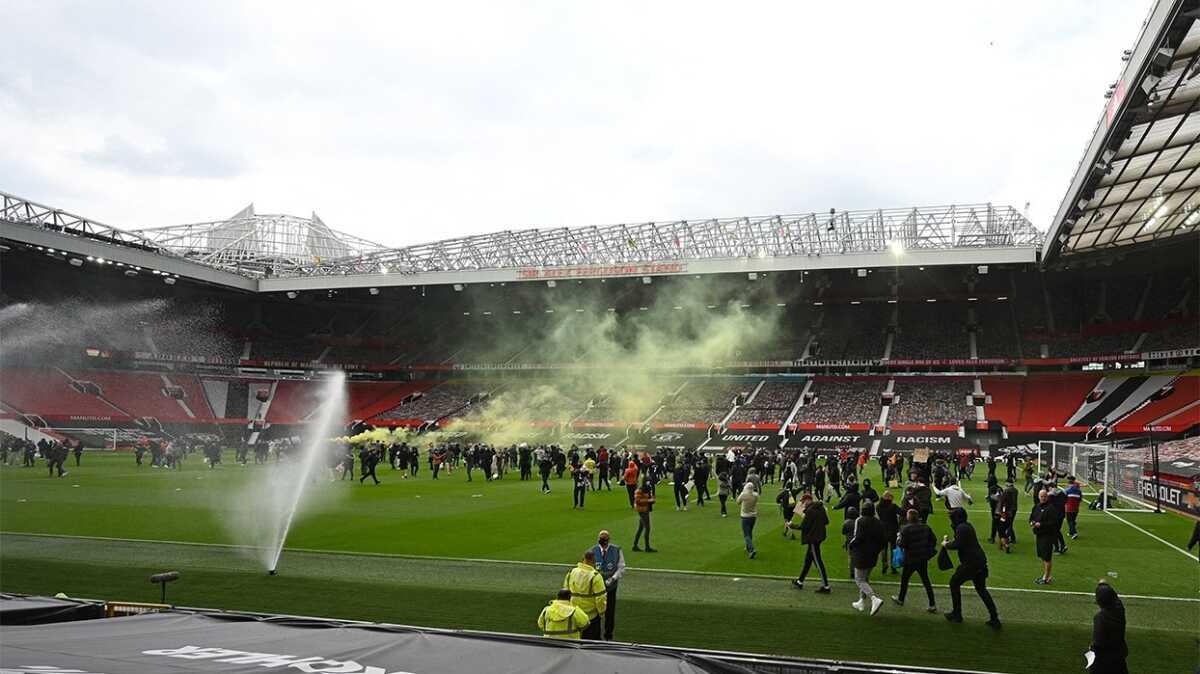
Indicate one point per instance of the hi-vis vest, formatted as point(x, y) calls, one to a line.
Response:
point(562, 620)
point(587, 589)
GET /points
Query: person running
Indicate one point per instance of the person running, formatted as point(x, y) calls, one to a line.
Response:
point(916, 540)
point(972, 566)
point(748, 502)
point(813, 523)
point(865, 543)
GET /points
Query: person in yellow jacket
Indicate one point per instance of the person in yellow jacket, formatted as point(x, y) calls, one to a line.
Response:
point(588, 592)
point(562, 619)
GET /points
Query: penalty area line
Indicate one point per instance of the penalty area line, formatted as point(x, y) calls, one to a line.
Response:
point(517, 562)
point(1165, 542)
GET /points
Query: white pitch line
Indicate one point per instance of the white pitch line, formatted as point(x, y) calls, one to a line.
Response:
point(1160, 540)
point(518, 562)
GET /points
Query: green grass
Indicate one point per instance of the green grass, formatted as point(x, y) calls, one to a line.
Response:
point(361, 554)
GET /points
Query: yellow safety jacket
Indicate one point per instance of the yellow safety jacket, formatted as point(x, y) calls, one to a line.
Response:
point(588, 591)
point(562, 620)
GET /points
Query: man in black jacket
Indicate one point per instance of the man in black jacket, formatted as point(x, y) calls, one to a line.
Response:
point(864, 546)
point(917, 541)
point(851, 499)
point(889, 516)
point(972, 566)
point(1108, 633)
point(1046, 523)
point(812, 526)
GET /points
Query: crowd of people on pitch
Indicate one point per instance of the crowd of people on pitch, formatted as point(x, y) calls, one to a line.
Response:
point(54, 451)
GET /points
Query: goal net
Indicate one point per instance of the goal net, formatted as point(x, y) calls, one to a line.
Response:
point(1084, 461)
point(1127, 470)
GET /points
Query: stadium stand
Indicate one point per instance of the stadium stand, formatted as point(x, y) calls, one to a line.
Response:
point(1048, 399)
point(48, 393)
point(702, 401)
point(434, 403)
point(843, 400)
point(771, 405)
point(1184, 395)
point(931, 401)
point(931, 330)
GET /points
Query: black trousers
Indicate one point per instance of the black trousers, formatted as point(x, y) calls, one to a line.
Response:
point(592, 631)
point(610, 613)
point(545, 477)
point(922, 570)
point(811, 556)
point(631, 488)
point(643, 525)
point(723, 498)
point(681, 495)
point(978, 578)
point(580, 492)
point(368, 470)
point(702, 491)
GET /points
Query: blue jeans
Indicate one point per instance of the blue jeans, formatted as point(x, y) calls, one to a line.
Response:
point(748, 532)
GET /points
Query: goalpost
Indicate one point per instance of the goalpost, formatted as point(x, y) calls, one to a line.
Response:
point(1117, 470)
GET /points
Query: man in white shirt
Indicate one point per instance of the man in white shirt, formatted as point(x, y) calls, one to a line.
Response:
point(954, 495)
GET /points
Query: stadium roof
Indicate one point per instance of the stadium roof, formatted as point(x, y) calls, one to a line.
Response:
point(281, 253)
point(1138, 180)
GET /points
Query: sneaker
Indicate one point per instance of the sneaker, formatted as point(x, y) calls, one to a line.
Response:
point(684, 508)
point(858, 605)
point(994, 623)
point(897, 601)
point(931, 609)
point(636, 549)
point(650, 549)
point(724, 515)
point(824, 589)
point(1041, 581)
point(1063, 551)
point(1074, 536)
point(797, 583)
point(753, 554)
point(876, 604)
point(954, 617)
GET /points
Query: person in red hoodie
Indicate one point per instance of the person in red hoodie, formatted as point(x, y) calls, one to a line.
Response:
point(630, 480)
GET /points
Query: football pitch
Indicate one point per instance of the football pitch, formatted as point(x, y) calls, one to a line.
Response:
point(488, 555)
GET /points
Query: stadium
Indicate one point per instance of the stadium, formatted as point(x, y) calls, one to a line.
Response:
point(211, 398)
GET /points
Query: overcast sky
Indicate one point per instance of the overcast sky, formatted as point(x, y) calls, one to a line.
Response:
point(411, 122)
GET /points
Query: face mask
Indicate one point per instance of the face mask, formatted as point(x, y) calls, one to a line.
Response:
point(603, 541)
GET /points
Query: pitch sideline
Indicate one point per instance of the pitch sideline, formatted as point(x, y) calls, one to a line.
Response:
point(516, 562)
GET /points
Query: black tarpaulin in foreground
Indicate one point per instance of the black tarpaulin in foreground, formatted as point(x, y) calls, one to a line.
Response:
point(180, 641)
point(22, 610)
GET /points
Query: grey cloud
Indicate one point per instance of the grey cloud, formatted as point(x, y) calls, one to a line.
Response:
point(184, 159)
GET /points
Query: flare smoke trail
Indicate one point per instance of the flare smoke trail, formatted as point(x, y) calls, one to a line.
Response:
point(628, 363)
